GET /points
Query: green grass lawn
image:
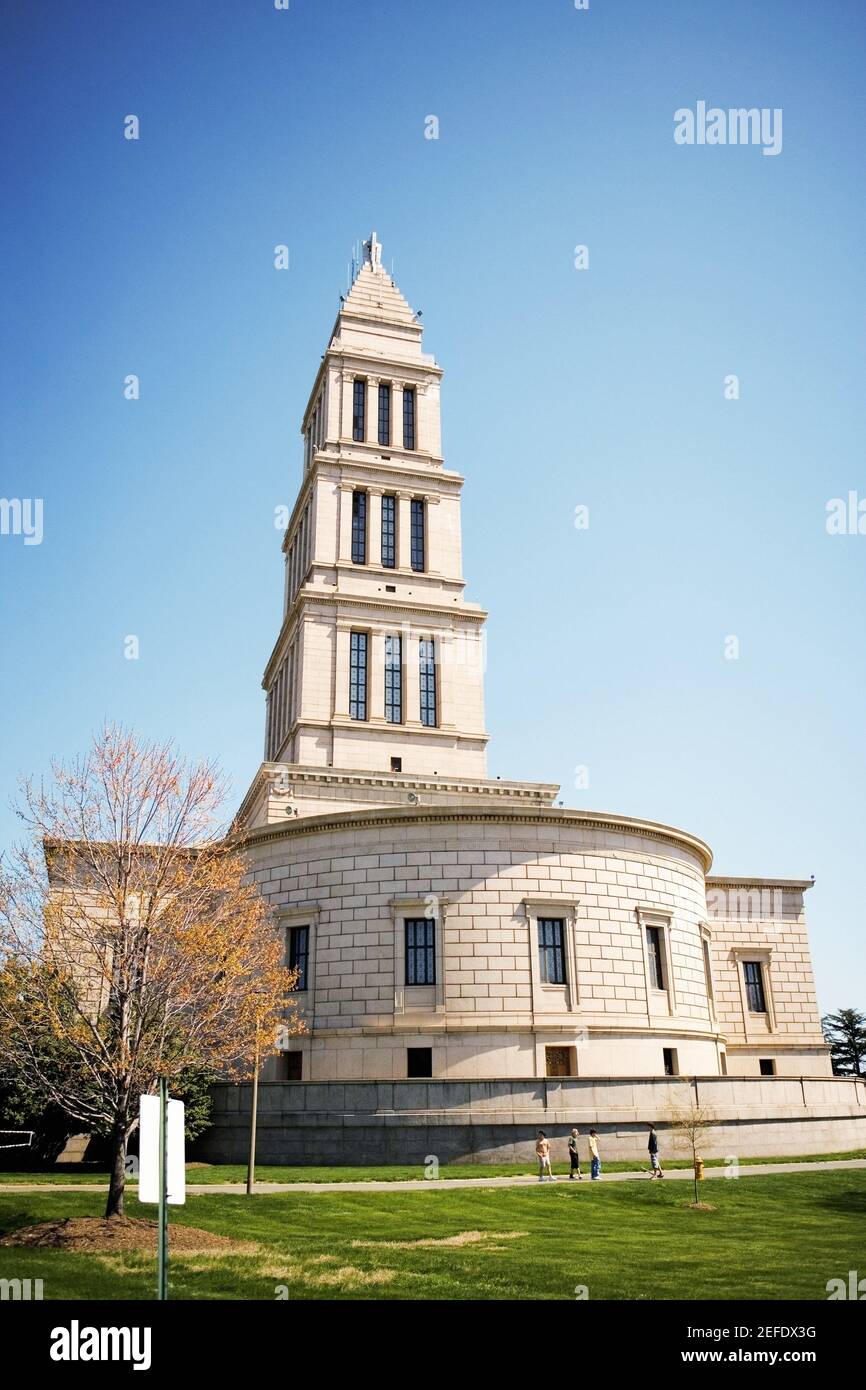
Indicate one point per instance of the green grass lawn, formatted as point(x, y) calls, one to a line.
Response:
point(236, 1172)
point(768, 1238)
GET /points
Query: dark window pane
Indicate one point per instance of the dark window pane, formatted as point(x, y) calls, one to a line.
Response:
point(420, 951)
point(418, 533)
point(299, 951)
point(359, 410)
point(358, 675)
point(394, 680)
point(654, 951)
point(754, 977)
point(427, 660)
point(389, 531)
point(419, 1062)
point(768, 1066)
point(293, 1065)
point(385, 414)
point(359, 528)
point(551, 950)
point(409, 418)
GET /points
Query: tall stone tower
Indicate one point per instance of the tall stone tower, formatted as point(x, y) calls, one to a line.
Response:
point(378, 665)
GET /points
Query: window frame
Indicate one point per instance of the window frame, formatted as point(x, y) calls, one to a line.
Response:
point(757, 984)
point(410, 417)
point(389, 531)
point(393, 678)
point(359, 408)
point(301, 958)
point(428, 692)
point(383, 433)
point(413, 948)
point(556, 927)
point(418, 534)
point(360, 510)
point(359, 675)
point(656, 956)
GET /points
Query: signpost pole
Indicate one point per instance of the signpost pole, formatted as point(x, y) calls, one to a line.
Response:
point(162, 1236)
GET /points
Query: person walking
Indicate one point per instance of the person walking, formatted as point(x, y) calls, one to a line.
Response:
point(574, 1156)
point(653, 1150)
point(542, 1153)
point(595, 1157)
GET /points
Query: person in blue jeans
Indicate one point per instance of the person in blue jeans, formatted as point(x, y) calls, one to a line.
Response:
point(595, 1159)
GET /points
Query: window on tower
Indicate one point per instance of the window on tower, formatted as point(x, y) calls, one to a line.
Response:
point(359, 409)
point(394, 680)
point(419, 536)
point(389, 531)
point(408, 417)
point(359, 528)
point(427, 673)
point(384, 413)
point(358, 675)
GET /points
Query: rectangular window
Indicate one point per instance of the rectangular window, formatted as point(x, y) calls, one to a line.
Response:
point(427, 672)
point(384, 414)
point(359, 528)
point(358, 675)
point(669, 1061)
point(389, 531)
point(654, 951)
point(396, 764)
point(359, 409)
point(754, 977)
point(419, 1062)
point(559, 1061)
point(551, 950)
point(299, 953)
point(394, 680)
point(708, 974)
point(408, 417)
point(291, 1066)
point(767, 1065)
point(420, 951)
point(418, 542)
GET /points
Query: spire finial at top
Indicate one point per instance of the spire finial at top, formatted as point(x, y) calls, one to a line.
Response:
point(373, 252)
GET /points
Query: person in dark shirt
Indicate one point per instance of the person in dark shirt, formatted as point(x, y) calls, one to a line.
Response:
point(653, 1149)
point(573, 1155)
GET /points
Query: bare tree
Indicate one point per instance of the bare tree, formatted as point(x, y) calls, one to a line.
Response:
point(129, 930)
point(689, 1121)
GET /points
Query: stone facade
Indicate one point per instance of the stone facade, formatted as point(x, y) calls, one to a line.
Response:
point(449, 925)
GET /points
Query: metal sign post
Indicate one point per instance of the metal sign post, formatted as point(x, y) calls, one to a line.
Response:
point(162, 1172)
point(162, 1234)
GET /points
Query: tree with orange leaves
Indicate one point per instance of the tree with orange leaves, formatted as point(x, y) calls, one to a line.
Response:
point(130, 932)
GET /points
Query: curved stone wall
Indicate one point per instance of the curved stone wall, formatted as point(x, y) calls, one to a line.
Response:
point(485, 878)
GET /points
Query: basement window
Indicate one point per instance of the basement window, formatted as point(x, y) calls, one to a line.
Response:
point(767, 1065)
point(419, 1062)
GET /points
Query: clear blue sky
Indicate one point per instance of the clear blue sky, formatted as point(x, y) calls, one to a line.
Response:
point(602, 387)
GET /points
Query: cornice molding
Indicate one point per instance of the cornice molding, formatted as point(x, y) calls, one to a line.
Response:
point(384, 817)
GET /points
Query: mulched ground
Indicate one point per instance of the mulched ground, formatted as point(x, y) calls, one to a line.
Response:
point(98, 1234)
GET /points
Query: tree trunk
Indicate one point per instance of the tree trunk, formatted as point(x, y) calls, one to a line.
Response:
point(117, 1180)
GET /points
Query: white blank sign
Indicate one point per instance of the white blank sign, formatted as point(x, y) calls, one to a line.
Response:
point(148, 1161)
